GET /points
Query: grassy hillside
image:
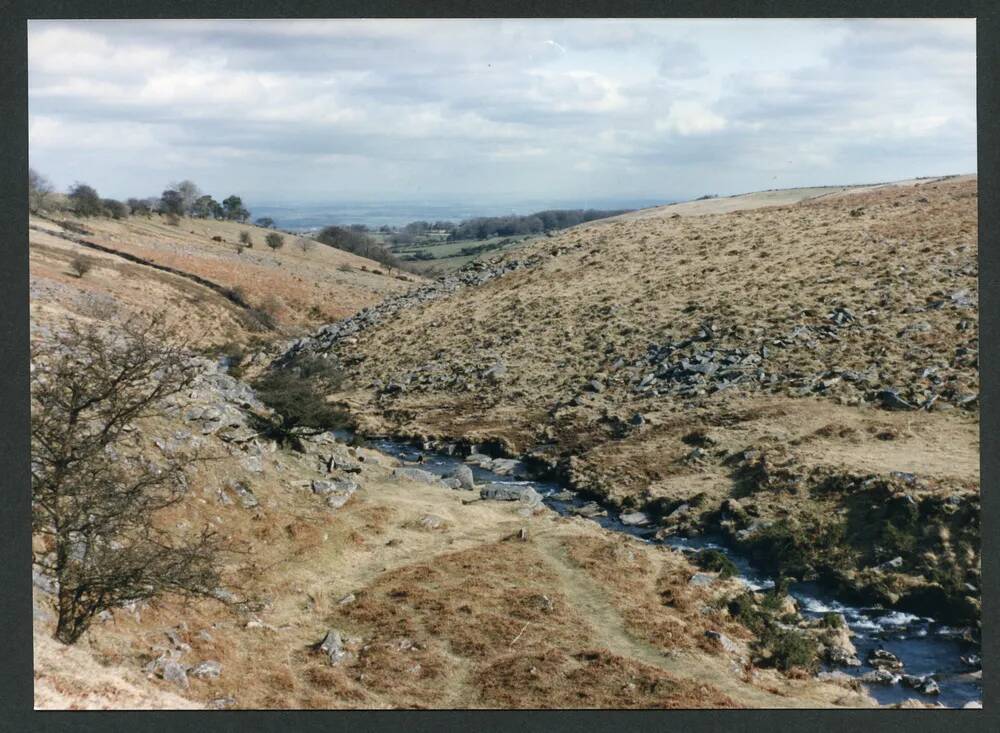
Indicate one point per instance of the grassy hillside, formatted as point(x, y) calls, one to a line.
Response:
point(780, 367)
point(297, 289)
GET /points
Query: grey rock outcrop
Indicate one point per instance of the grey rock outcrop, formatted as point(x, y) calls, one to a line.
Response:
point(727, 644)
point(206, 670)
point(476, 273)
point(417, 474)
point(332, 646)
point(463, 474)
point(337, 493)
point(511, 492)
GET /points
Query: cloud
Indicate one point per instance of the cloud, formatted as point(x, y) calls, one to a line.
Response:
point(494, 108)
point(682, 60)
point(691, 118)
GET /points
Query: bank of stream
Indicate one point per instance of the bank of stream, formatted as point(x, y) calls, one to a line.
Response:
point(924, 646)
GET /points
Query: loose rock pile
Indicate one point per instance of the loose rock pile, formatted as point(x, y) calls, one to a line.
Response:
point(473, 274)
point(708, 363)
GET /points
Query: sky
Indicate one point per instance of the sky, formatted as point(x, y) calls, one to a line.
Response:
point(307, 111)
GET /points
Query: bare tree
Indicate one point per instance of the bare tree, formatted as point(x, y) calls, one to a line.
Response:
point(95, 498)
point(305, 244)
point(139, 207)
point(189, 193)
point(39, 191)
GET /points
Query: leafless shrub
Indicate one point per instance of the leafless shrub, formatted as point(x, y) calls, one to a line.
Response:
point(95, 507)
point(81, 264)
point(270, 304)
point(101, 309)
point(264, 315)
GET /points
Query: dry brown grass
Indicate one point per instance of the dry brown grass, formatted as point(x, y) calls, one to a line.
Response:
point(611, 288)
point(590, 678)
point(302, 290)
point(457, 617)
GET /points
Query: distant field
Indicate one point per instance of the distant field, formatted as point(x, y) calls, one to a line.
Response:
point(448, 255)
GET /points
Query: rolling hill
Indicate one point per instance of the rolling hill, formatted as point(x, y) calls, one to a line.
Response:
point(145, 264)
point(765, 366)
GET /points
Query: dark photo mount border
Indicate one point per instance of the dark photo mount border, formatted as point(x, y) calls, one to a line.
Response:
point(16, 678)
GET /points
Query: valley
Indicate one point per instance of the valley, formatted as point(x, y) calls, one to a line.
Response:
point(790, 381)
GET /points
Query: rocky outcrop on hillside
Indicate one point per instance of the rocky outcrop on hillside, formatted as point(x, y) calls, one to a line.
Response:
point(883, 313)
point(473, 274)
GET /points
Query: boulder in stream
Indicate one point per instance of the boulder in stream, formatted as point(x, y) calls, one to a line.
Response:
point(879, 677)
point(884, 659)
point(590, 509)
point(463, 474)
point(635, 519)
point(509, 467)
point(925, 685)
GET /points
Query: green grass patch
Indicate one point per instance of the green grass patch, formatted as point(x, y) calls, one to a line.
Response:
point(717, 562)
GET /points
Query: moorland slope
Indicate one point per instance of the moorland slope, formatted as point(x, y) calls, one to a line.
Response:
point(802, 376)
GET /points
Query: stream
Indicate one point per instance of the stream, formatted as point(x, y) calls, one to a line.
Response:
point(924, 646)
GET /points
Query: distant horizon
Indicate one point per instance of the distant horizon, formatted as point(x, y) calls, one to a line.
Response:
point(311, 214)
point(401, 212)
point(506, 199)
point(518, 207)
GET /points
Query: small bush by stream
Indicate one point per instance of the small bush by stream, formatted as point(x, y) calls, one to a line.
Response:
point(298, 394)
point(777, 645)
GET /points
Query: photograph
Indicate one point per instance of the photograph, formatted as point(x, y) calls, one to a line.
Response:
point(504, 364)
